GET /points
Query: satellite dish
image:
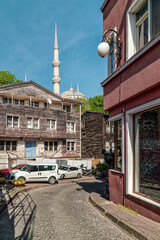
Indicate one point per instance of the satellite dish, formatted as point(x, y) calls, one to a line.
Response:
point(49, 100)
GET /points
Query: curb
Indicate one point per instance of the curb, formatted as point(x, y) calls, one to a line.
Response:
point(124, 225)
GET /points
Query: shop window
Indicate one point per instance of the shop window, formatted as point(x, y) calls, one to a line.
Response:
point(118, 144)
point(70, 146)
point(147, 153)
point(12, 121)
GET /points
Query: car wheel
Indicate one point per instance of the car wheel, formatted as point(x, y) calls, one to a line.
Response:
point(52, 180)
point(78, 175)
point(21, 178)
point(62, 177)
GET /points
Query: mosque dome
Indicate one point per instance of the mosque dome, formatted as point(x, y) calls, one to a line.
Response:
point(72, 94)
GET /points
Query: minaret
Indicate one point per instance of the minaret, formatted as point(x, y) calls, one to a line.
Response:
point(25, 77)
point(77, 86)
point(56, 64)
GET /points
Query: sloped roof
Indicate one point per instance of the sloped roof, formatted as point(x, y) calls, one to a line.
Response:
point(9, 86)
point(36, 85)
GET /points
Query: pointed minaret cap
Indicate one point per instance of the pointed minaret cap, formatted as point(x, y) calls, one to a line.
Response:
point(56, 40)
point(71, 87)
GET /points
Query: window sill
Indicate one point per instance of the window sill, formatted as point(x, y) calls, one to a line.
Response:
point(144, 199)
point(116, 171)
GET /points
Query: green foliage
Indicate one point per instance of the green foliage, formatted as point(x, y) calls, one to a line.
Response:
point(94, 104)
point(128, 209)
point(85, 105)
point(101, 167)
point(6, 77)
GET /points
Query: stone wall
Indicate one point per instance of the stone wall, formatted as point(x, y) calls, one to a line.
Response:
point(94, 135)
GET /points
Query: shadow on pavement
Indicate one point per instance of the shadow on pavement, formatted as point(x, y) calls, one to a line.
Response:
point(17, 219)
point(94, 186)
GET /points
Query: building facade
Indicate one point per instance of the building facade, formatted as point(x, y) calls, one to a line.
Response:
point(97, 137)
point(132, 97)
point(37, 123)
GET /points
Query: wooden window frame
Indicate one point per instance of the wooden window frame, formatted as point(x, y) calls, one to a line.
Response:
point(133, 132)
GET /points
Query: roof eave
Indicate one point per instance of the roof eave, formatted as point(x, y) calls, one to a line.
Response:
point(103, 5)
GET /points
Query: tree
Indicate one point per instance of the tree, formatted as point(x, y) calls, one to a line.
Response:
point(85, 105)
point(6, 77)
point(94, 104)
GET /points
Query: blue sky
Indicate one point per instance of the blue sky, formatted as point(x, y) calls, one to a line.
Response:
point(27, 42)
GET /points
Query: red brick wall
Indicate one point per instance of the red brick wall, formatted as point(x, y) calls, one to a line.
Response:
point(116, 191)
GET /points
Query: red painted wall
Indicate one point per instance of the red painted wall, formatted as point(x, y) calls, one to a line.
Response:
point(138, 77)
point(116, 191)
point(136, 84)
point(114, 15)
point(144, 208)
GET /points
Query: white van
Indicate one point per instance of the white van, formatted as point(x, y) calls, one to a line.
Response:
point(36, 173)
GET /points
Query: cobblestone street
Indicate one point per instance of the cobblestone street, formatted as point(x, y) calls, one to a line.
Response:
point(59, 212)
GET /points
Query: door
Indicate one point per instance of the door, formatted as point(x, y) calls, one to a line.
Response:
point(33, 175)
point(73, 172)
point(30, 149)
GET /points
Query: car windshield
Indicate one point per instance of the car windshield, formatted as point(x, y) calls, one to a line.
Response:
point(63, 168)
point(21, 168)
point(25, 168)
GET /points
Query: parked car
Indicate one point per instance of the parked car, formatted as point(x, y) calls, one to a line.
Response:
point(36, 173)
point(4, 172)
point(69, 172)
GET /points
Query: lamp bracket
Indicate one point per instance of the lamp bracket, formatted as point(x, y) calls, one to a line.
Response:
point(108, 40)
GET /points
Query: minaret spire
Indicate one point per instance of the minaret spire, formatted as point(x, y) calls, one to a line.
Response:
point(71, 86)
point(25, 77)
point(55, 40)
point(56, 64)
point(77, 86)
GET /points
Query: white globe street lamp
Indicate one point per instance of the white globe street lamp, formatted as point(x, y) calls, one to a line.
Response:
point(103, 47)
